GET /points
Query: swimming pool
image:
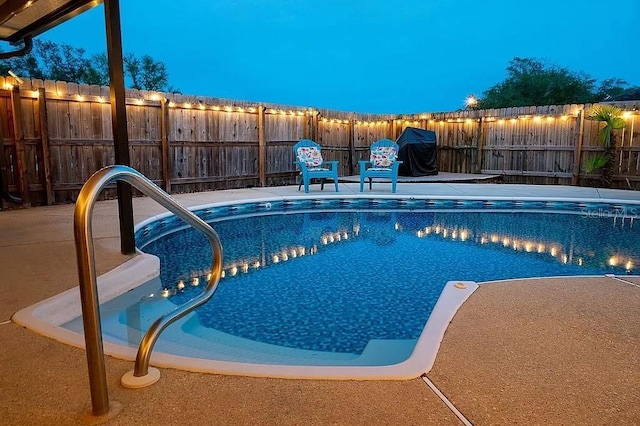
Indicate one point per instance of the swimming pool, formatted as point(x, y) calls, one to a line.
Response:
point(363, 274)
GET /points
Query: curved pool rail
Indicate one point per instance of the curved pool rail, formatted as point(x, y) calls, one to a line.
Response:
point(83, 235)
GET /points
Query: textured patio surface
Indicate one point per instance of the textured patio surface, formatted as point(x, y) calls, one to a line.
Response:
point(547, 351)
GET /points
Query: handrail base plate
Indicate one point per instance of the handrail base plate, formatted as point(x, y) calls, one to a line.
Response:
point(130, 381)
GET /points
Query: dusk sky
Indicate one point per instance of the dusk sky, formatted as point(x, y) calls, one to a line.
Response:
point(365, 55)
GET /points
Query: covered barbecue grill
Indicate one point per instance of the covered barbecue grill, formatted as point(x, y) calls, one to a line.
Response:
point(417, 152)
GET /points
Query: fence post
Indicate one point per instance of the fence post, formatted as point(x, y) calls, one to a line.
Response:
point(397, 129)
point(352, 145)
point(262, 148)
point(391, 130)
point(577, 154)
point(313, 131)
point(18, 133)
point(164, 142)
point(46, 151)
point(480, 144)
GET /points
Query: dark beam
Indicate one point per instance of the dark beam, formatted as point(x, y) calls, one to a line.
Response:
point(119, 121)
point(4, 187)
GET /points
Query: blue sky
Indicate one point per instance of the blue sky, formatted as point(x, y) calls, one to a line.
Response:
point(364, 55)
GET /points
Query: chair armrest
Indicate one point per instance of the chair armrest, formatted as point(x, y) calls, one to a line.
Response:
point(363, 163)
point(395, 166)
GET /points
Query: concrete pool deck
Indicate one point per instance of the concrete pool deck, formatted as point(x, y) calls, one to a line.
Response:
point(545, 351)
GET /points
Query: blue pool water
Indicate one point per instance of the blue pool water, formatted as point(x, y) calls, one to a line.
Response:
point(334, 275)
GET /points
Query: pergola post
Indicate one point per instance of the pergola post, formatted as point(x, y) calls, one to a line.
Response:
point(119, 121)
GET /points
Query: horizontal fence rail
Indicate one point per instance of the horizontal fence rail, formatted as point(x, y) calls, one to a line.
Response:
point(55, 135)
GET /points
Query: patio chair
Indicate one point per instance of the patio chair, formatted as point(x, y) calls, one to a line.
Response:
point(312, 166)
point(383, 163)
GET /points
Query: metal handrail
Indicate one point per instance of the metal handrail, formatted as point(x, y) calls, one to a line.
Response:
point(88, 279)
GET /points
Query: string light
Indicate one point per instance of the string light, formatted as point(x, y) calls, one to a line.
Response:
point(538, 118)
point(471, 101)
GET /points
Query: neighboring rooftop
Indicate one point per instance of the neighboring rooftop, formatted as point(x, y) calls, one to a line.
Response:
point(629, 95)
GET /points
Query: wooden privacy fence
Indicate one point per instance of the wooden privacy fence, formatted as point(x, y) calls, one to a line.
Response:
point(55, 135)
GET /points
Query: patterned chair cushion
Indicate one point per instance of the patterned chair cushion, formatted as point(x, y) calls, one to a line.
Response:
point(310, 155)
point(383, 157)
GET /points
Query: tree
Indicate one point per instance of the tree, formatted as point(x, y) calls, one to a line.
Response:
point(51, 61)
point(145, 72)
point(533, 82)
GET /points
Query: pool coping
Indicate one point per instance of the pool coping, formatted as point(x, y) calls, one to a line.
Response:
point(390, 197)
point(143, 265)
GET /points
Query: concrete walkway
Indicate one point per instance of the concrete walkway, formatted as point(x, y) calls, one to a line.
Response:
point(547, 351)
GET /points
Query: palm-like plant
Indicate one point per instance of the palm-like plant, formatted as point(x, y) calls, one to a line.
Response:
point(612, 117)
point(593, 163)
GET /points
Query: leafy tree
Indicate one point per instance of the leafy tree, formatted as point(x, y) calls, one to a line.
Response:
point(145, 72)
point(100, 69)
point(51, 61)
point(142, 73)
point(533, 82)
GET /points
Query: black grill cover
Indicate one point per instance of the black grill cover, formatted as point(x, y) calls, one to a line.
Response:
point(417, 152)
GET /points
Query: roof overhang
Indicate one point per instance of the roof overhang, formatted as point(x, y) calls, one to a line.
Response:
point(21, 20)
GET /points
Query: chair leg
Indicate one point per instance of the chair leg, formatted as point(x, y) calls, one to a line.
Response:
point(393, 186)
point(335, 181)
point(361, 183)
point(370, 181)
point(322, 184)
